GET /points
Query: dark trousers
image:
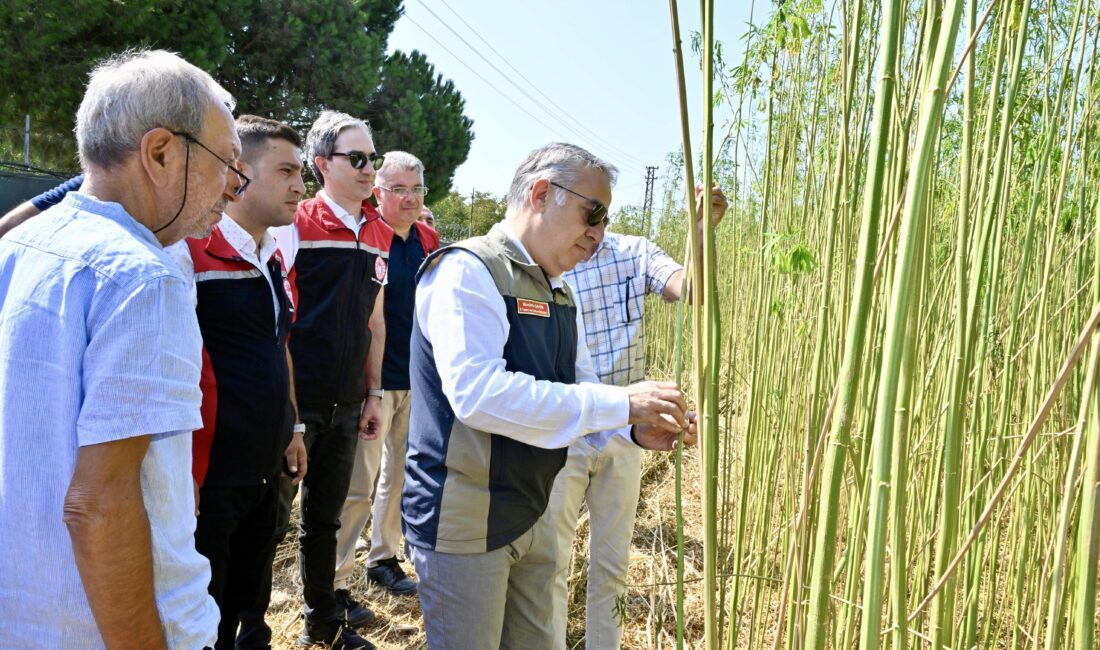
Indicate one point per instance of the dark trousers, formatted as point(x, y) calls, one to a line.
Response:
point(235, 532)
point(331, 435)
point(330, 439)
point(255, 633)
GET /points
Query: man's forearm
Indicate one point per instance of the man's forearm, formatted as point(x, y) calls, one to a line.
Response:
point(109, 529)
point(293, 393)
point(377, 347)
point(18, 215)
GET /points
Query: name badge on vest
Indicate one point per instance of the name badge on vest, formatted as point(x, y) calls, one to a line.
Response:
point(532, 307)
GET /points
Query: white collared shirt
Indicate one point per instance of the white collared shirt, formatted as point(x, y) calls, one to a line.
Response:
point(353, 223)
point(243, 243)
point(462, 314)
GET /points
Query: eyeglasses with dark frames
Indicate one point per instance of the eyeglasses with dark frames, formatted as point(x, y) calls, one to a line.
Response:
point(597, 214)
point(359, 160)
point(401, 191)
point(190, 139)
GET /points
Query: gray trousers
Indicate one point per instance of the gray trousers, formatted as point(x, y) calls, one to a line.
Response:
point(485, 601)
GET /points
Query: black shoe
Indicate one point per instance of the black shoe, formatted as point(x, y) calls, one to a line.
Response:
point(336, 635)
point(357, 614)
point(389, 575)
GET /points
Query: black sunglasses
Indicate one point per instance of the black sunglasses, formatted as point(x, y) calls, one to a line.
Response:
point(597, 214)
point(359, 160)
point(190, 139)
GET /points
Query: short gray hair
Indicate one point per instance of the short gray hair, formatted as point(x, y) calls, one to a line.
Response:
point(321, 140)
point(136, 91)
point(559, 162)
point(401, 161)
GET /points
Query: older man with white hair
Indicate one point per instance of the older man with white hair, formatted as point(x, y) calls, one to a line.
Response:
point(502, 383)
point(100, 357)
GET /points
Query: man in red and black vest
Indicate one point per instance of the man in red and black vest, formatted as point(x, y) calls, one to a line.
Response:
point(379, 473)
point(244, 312)
point(336, 252)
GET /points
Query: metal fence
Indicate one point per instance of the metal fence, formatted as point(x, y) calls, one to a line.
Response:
point(449, 233)
point(18, 184)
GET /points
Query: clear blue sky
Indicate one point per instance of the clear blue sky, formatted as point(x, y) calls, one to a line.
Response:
point(606, 64)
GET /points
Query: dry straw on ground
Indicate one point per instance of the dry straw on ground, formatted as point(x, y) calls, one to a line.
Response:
point(651, 597)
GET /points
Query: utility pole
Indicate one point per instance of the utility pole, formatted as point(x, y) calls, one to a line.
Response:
point(27, 141)
point(647, 204)
point(470, 227)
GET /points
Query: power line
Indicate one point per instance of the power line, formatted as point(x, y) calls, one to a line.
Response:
point(490, 84)
point(533, 85)
point(511, 81)
point(478, 75)
point(620, 153)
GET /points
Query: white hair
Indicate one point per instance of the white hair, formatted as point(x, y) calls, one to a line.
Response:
point(559, 162)
point(321, 139)
point(400, 161)
point(136, 91)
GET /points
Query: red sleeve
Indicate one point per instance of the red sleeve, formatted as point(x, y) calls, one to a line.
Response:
point(203, 439)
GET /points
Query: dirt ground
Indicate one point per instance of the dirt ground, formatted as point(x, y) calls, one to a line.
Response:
point(651, 599)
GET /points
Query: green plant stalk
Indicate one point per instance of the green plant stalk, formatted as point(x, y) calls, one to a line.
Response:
point(905, 276)
point(899, 472)
point(709, 373)
point(1088, 527)
point(963, 235)
point(944, 605)
point(679, 484)
point(756, 380)
point(1061, 533)
point(839, 437)
point(816, 412)
point(693, 267)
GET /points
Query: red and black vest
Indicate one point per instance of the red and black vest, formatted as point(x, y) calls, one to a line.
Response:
point(336, 278)
point(246, 412)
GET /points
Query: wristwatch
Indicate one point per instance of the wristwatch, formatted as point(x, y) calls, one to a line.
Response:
point(375, 392)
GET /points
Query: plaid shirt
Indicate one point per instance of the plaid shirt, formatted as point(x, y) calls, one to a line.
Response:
point(610, 290)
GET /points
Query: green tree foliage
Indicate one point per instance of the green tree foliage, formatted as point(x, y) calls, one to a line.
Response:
point(421, 112)
point(451, 209)
point(284, 59)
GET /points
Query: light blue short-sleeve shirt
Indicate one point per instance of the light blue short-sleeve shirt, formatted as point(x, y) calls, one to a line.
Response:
point(98, 342)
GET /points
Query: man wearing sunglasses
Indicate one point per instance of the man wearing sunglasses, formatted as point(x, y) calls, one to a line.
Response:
point(335, 253)
point(502, 383)
point(379, 472)
point(610, 286)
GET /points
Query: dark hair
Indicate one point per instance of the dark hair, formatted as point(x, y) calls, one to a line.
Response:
point(254, 131)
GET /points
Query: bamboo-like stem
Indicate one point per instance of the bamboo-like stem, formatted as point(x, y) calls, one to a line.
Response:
point(839, 435)
point(1033, 431)
point(711, 354)
point(1059, 538)
point(1088, 527)
point(944, 606)
point(692, 264)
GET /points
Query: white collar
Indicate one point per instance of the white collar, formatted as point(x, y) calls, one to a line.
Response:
point(243, 242)
point(339, 211)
